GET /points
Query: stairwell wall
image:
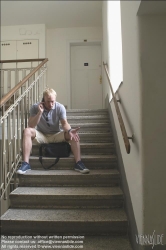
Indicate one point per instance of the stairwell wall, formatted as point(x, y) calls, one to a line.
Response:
point(131, 167)
point(153, 67)
point(25, 32)
point(142, 106)
point(131, 107)
point(57, 44)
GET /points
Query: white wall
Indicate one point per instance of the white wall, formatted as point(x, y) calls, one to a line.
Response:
point(57, 52)
point(131, 107)
point(143, 108)
point(23, 32)
point(130, 95)
point(106, 89)
point(153, 66)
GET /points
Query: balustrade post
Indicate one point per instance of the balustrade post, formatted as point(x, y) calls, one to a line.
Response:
point(2, 83)
point(4, 155)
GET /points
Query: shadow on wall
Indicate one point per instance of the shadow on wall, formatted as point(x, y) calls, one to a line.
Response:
point(124, 185)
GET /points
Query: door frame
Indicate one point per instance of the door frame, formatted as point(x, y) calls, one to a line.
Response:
point(68, 61)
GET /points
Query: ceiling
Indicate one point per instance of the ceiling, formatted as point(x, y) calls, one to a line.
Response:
point(55, 14)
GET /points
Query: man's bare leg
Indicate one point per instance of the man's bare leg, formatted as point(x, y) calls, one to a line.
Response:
point(28, 135)
point(75, 147)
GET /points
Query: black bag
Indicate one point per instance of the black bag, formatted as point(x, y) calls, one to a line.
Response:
point(58, 150)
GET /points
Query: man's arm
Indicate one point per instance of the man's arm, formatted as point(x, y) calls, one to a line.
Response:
point(65, 125)
point(34, 120)
point(71, 133)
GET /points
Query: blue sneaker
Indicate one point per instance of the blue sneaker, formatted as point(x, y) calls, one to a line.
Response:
point(81, 167)
point(24, 168)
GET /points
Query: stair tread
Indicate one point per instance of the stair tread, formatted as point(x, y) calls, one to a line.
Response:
point(98, 157)
point(85, 110)
point(90, 123)
point(84, 192)
point(72, 172)
point(88, 116)
point(90, 144)
point(95, 133)
point(96, 143)
point(66, 215)
point(102, 242)
point(95, 242)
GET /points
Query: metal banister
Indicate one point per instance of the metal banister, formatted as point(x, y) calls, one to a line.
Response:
point(14, 118)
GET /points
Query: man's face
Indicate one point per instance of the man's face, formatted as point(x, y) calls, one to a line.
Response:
point(49, 101)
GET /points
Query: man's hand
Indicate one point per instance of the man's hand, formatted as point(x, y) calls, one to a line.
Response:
point(74, 135)
point(41, 107)
point(34, 120)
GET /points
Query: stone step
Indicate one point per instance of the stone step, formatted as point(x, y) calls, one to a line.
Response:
point(97, 148)
point(90, 161)
point(88, 148)
point(88, 119)
point(105, 242)
point(86, 112)
point(95, 137)
point(55, 178)
point(92, 127)
point(58, 221)
point(66, 197)
point(86, 242)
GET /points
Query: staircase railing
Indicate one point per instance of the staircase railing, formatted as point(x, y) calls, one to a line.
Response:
point(122, 126)
point(14, 108)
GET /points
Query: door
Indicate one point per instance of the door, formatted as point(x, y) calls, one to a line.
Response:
point(86, 87)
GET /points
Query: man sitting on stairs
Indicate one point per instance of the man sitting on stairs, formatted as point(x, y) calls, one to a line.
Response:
point(43, 127)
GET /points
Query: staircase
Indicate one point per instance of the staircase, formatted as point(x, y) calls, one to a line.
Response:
point(62, 201)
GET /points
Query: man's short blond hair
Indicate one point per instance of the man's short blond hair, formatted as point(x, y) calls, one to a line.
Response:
point(48, 92)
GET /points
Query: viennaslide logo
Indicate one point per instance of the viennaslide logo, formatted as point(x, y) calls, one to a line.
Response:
point(150, 239)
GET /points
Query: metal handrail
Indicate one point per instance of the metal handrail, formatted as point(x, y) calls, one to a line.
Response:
point(122, 126)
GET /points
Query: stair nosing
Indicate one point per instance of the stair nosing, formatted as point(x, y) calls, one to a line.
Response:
point(94, 214)
point(111, 156)
point(68, 191)
point(72, 172)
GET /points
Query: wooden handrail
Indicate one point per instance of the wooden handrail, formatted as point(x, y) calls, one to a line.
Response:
point(122, 126)
point(22, 60)
point(19, 85)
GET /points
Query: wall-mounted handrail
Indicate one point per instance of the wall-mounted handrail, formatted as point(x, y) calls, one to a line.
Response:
point(18, 86)
point(122, 126)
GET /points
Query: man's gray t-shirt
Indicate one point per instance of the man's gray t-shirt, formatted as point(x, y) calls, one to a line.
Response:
point(49, 121)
